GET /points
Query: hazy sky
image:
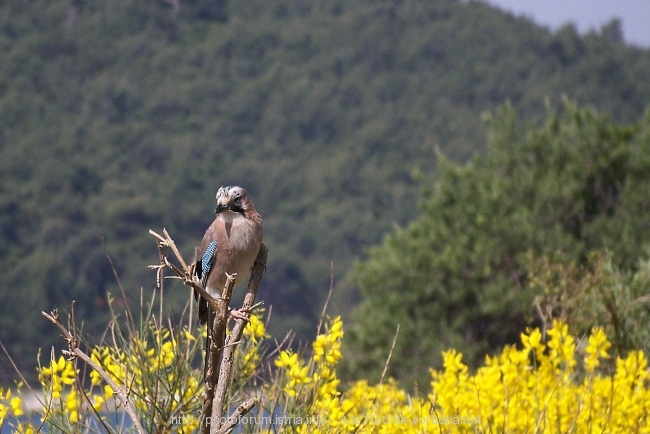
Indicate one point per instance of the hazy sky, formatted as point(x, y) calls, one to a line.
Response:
point(587, 14)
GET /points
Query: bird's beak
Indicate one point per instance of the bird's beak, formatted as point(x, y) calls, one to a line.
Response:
point(221, 207)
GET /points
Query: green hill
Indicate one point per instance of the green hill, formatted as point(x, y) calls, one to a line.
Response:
point(124, 115)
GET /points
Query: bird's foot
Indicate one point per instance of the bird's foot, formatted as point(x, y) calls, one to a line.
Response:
point(240, 314)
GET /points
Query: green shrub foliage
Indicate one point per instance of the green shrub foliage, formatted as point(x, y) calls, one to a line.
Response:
point(457, 276)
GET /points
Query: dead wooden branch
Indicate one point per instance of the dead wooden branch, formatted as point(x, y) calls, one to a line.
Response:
point(235, 334)
point(217, 331)
point(220, 351)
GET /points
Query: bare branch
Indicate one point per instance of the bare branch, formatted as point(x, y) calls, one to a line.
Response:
point(216, 342)
point(75, 351)
point(241, 410)
point(160, 238)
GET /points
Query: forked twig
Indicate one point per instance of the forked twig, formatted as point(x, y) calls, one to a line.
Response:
point(185, 272)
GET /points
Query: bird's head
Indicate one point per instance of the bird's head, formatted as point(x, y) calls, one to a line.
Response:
point(233, 199)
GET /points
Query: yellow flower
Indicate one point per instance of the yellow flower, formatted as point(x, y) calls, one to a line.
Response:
point(596, 349)
point(452, 361)
point(327, 346)
point(531, 389)
point(329, 388)
point(298, 374)
point(532, 340)
point(250, 362)
point(319, 347)
point(189, 336)
point(97, 402)
point(561, 344)
point(192, 388)
point(166, 355)
point(16, 406)
point(58, 374)
point(3, 408)
point(72, 406)
point(96, 356)
point(286, 359)
point(190, 425)
point(54, 367)
point(108, 392)
point(255, 328)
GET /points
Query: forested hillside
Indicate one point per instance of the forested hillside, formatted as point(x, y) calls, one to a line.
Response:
point(117, 116)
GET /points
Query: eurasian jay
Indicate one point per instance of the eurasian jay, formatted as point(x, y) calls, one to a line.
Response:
point(230, 245)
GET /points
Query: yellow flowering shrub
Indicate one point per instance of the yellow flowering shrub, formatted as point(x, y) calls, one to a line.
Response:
point(249, 355)
point(154, 366)
point(544, 385)
point(310, 387)
point(541, 387)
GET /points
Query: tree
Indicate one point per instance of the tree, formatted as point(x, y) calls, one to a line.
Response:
point(456, 277)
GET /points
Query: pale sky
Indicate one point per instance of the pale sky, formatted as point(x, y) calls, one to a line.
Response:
point(587, 14)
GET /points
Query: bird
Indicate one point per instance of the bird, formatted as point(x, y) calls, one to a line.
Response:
point(230, 245)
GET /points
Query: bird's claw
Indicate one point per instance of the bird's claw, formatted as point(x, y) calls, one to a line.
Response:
point(240, 314)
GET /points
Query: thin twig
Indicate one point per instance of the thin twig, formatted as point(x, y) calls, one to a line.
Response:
point(327, 301)
point(20, 374)
point(256, 305)
point(390, 354)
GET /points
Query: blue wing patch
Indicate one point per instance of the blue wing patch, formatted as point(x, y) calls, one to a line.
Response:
point(207, 260)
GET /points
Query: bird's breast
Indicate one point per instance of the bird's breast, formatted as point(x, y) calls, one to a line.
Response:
point(242, 235)
point(239, 241)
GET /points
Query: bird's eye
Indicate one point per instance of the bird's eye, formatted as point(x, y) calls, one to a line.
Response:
point(238, 199)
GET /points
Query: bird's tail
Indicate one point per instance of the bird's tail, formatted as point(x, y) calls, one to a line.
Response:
point(208, 340)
